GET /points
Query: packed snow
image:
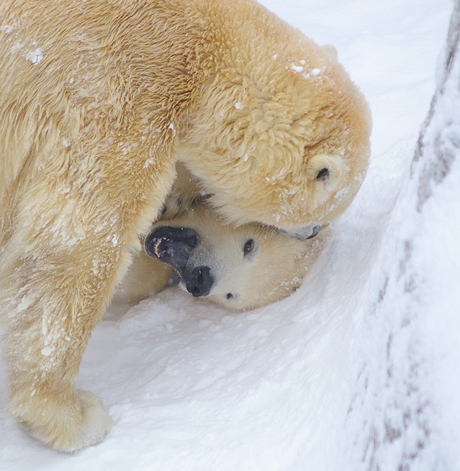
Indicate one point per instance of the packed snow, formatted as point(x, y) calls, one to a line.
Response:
point(359, 369)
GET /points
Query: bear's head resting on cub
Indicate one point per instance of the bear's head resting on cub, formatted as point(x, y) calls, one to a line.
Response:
point(281, 138)
point(240, 267)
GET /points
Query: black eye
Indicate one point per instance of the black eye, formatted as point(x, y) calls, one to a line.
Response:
point(229, 295)
point(322, 174)
point(248, 246)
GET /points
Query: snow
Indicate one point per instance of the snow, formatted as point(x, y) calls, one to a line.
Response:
point(298, 68)
point(358, 370)
point(36, 56)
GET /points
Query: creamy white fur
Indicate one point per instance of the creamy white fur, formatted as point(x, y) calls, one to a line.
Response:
point(91, 127)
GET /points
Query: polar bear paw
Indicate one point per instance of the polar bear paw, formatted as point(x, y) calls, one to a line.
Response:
point(65, 425)
point(96, 422)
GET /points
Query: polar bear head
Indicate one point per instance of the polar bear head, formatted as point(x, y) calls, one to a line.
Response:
point(280, 134)
point(241, 267)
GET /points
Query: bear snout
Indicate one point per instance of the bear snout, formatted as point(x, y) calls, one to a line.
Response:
point(172, 245)
point(198, 281)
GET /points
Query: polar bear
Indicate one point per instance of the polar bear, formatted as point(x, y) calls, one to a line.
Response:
point(240, 267)
point(98, 102)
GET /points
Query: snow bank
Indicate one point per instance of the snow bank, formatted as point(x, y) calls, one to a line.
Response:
point(405, 413)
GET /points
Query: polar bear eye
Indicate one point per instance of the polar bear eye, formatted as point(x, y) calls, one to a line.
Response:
point(248, 246)
point(229, 296)
point(322, 174)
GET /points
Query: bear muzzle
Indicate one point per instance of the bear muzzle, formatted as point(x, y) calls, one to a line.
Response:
point(198, 281)
point(172, 245)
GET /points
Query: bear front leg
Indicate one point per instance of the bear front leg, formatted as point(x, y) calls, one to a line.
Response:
point(53, 294)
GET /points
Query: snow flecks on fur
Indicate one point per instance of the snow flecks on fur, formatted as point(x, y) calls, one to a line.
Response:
point(35, 56)
point(47, 351)
point(297, 68)
point(25, 302)
point(7, 29)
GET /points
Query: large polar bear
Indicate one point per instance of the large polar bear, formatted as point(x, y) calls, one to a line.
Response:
point(98, 101)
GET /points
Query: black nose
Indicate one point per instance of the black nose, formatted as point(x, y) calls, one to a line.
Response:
point(172, 245)
point(198, 281)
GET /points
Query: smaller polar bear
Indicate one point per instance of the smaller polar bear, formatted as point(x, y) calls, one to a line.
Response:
point(241, 268)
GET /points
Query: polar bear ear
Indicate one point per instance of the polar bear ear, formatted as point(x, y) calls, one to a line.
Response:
point(331, 50)
point(326, 170)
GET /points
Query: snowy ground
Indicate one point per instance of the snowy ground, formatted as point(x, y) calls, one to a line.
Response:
point(358, 370)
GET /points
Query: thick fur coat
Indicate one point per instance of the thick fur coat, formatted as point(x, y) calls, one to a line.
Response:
point(244, 267)
point(98, 101)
